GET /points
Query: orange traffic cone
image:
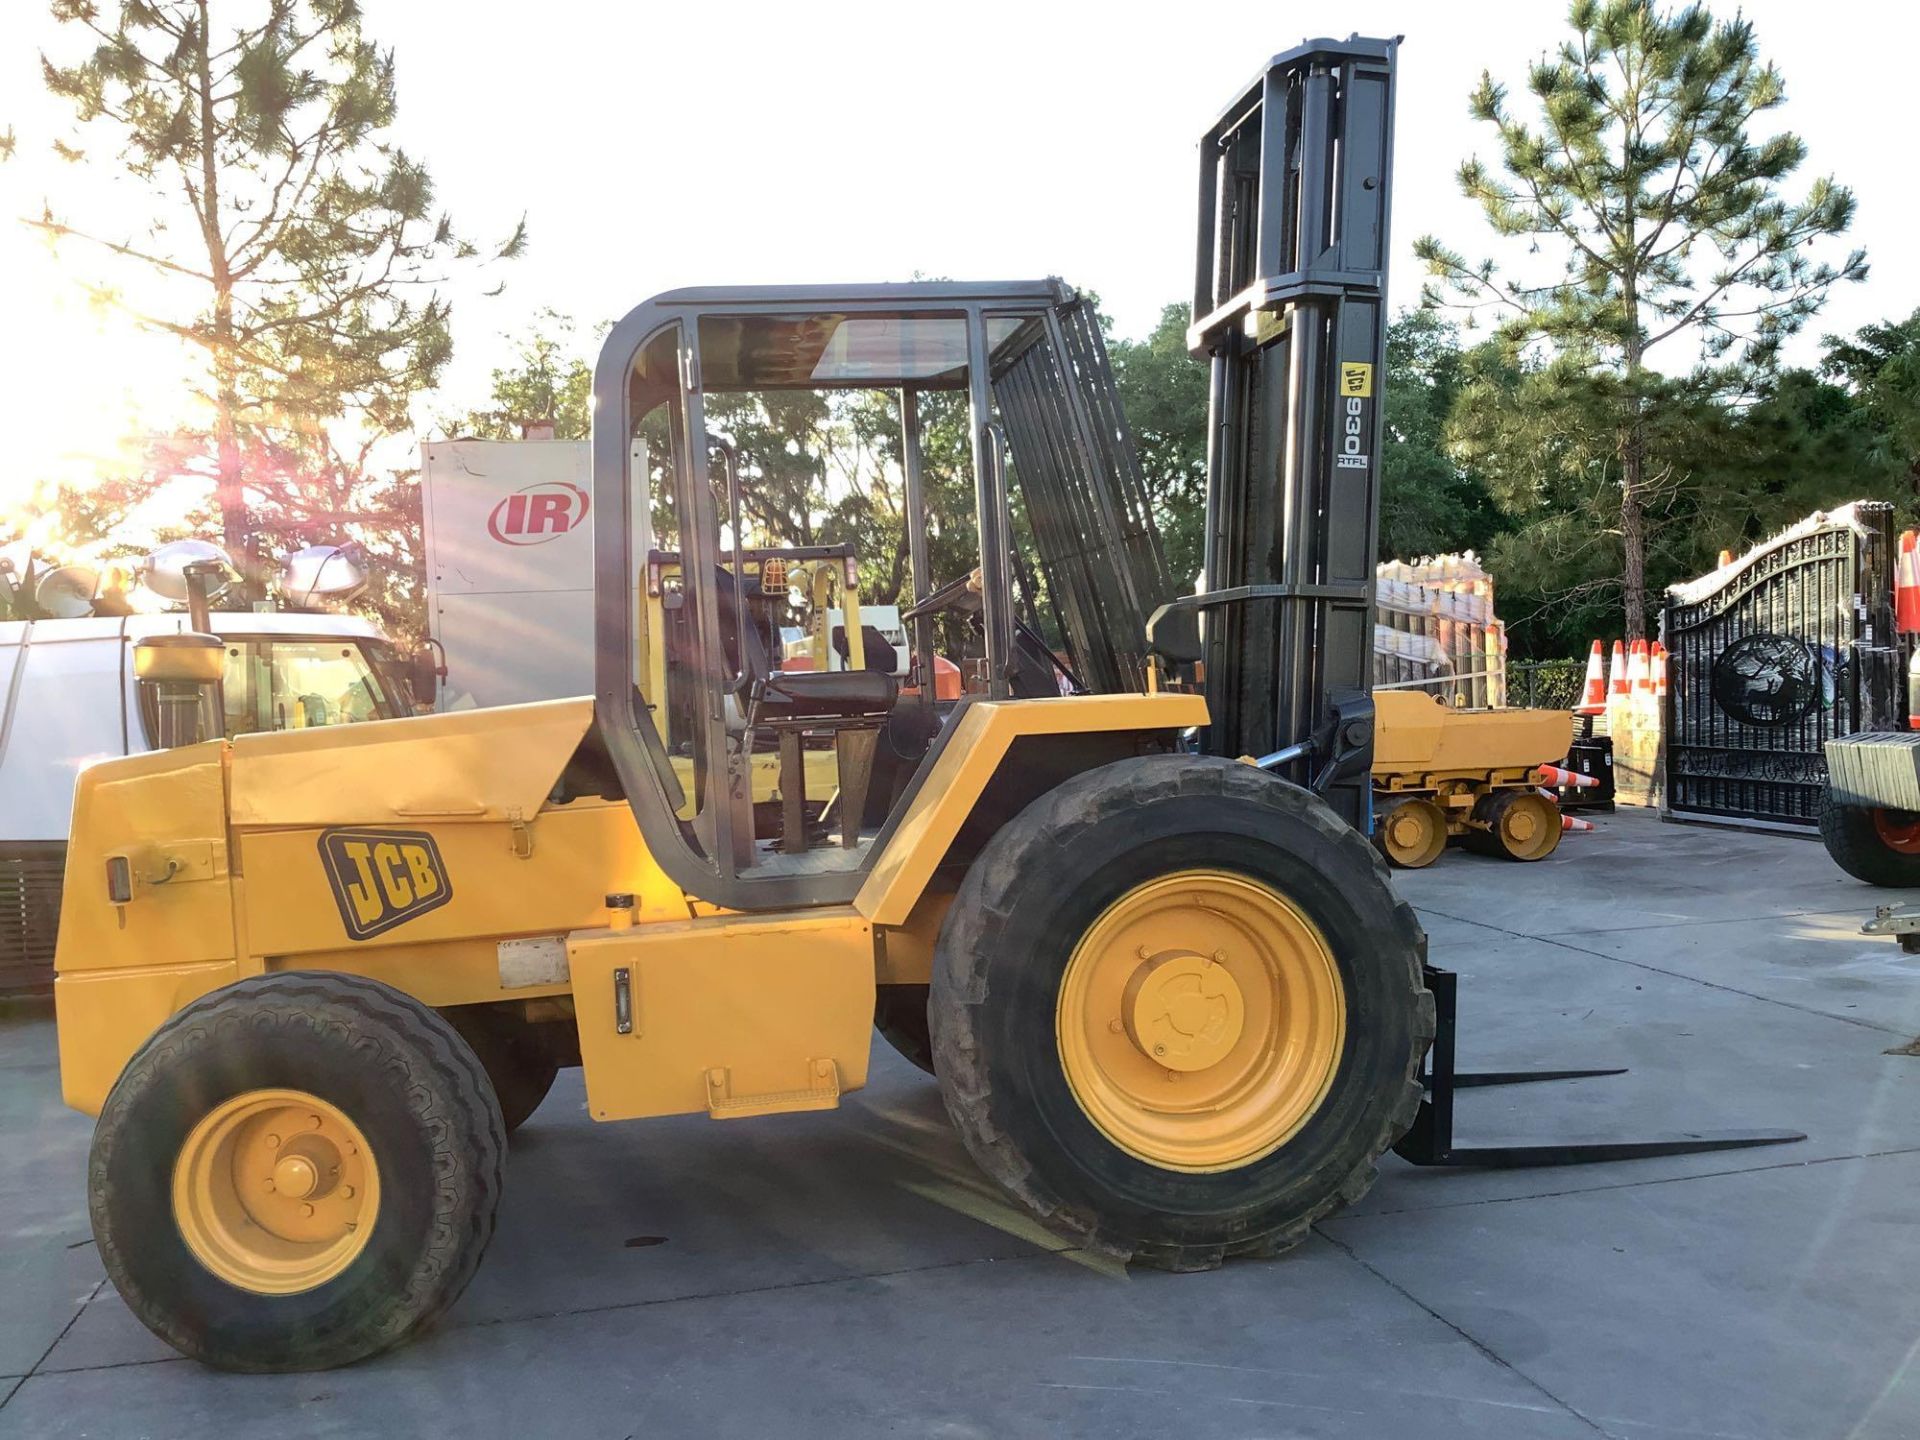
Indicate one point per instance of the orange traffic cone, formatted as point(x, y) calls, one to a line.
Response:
point(1573, 823)
point(1726, 559)
point(1659, 662)
point(1617, 670)
point(1593, 696)
point(1906, 584)
point(1637, 677)
point(1564, 779)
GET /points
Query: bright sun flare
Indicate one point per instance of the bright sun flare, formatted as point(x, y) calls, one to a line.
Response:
point(89, 386)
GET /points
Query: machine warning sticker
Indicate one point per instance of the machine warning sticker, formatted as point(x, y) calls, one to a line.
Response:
point(383, 878)
point(1356, 380)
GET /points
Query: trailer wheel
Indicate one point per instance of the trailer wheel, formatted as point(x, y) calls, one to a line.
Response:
point(1177, 1010)
point(1520, 825)
point(900, 1015)
point(519, 1064)
point(1410, 832)
point(296, 1172)
point(1881, 847)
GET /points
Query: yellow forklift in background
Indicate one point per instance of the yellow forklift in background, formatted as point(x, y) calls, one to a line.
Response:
point(309, 981)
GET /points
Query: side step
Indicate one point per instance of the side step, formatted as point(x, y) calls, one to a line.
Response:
point(822, 1093)
point(1430, 1140)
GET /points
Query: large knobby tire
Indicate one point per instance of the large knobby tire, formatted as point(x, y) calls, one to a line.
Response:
point(1210, 843)
point(295, 1084)
point(515, 1055)
point(900, 1015)
point(1881, 847)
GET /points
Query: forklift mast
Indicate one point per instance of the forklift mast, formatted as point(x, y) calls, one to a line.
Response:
point(1289, 312)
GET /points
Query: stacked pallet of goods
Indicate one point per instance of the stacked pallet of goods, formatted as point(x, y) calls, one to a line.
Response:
point(1435, 630)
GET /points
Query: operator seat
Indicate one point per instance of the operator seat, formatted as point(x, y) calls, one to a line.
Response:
point(851, 705)
point(844, 694)
point(880, 651)
point(803, 694)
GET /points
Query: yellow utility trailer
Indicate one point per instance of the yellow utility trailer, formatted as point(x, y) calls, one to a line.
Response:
point(1440, 774)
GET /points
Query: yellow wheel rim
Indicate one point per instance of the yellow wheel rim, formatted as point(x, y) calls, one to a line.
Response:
point(1528, 826)
point(1413, 833)
point(276, 1191)
point(1201, 1021)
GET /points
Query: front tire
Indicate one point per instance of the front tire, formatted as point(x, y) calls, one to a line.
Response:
point(296, 1172)
point(1177, 1011)
point(1411, 832)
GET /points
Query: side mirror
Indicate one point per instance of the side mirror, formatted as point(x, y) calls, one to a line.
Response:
point(183, 669)
point(424, 674)
point(187, 659)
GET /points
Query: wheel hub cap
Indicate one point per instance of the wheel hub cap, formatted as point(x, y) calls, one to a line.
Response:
point(295, 1177)
point(1200, 1020)
point(1184, 1010)
point(1899, 830)
point(276, 1191)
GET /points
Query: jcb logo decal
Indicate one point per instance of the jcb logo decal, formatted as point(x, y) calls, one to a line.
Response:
point(1356, 388)
point(383, 878)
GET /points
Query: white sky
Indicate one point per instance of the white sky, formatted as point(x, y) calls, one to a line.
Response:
point(655, 146)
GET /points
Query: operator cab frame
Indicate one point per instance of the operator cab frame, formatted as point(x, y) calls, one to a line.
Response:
point(1027, 357)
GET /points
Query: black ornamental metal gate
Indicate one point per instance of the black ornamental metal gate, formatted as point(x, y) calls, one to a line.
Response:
point(1772, 656)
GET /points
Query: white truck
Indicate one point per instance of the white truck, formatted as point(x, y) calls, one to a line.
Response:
point(68, 697)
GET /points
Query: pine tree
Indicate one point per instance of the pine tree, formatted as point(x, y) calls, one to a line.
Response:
point(548, 389)
point(1640, 175)
point(1881, 366)
point(287, 239)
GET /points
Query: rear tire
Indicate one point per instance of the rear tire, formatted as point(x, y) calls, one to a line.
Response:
point(518, 1062)
point(389, 1075)
point(1856, 838)
point(1041, 896)
point(900, 1015)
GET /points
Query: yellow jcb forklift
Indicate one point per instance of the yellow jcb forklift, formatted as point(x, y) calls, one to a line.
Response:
point(309, 981)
